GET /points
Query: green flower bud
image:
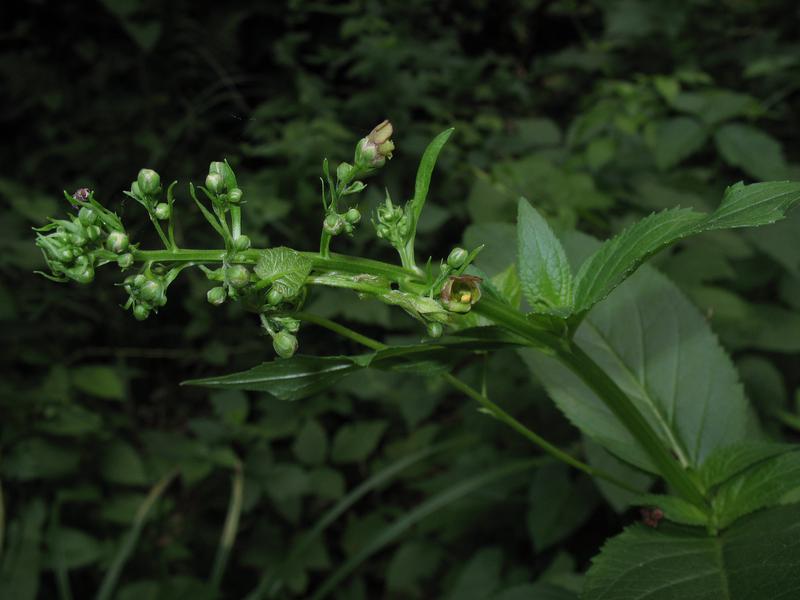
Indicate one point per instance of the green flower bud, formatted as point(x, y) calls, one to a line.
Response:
point(241, 243)
point(215, 183)
point(141, 312)
point(217, 167)
point(344, 171)
point(139, 280)
point(457, 257)
point(333, 224)
point(237, 276)
point(78, 239)
point(235, 196)
point(83, 271)
point(435, 329)
point(93, 233)
point(352, 216)
point(125, 260)
point(87, 216)
point(149, 182)
point(216, 295)
point(117, 242)
point(274, 297)
point(285, 344)
point(151, 291)
point(162, 211)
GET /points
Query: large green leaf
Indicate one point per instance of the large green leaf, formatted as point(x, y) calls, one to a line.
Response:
point(284, 268)
point(543, 267)
point(660, 350)
point(742, 206)
point(676, 139)
point(756, 559)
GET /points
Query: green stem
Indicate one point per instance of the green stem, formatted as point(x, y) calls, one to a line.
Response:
point(607, 390)
point(325, 244)
point(492, 408)
point(236, 222)
point(123, 554)
point(159, 230)
point(230, 528)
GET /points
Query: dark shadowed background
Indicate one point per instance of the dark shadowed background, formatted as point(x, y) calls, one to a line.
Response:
point(598, 112)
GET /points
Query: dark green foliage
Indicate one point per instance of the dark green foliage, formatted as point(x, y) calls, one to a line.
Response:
point(598, 113)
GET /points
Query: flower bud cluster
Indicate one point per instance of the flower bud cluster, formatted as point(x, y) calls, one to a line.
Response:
point(337, 223)
point(74, 247)
point(283, 332)
point(221, 183)
point(147, 293)
point(393, 222)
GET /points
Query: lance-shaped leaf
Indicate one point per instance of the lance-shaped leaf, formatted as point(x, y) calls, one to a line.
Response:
point(757, 558)
point(543, 267)
point(302, 376)
point(742, 206)
point(284, 268)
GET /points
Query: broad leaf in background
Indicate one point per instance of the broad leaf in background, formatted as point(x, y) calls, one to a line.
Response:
point(543, 267)
point(285, 268)
point(676, 139)
point(753, 151)
point(742, 206)
point(728, 461)
point(660, 350)
point(755, 559)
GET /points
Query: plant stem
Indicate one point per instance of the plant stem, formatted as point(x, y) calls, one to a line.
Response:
point(230, 528)
point(492, 408)
point(325, 244)
point(508, 318)
point(123, 554)
point(607, 390)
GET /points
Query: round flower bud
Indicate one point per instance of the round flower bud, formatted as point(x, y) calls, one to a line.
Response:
point(235, 196)
point(151, 291)
point(352, 216)
point(237, 276)
point(333, 224)
point(215, 183)
point(83, 271)
point(216, 295)
point(117, 242)
point(64, 255)
point(87, 216)
point(162, 211)
point(274, 297)
point(139, 280)
point(149, 182)
point(241, 243)
point(78, 239)
point(435, 329)
point(285, 344)
point(125, 260)
point(344, 171)
point(93, 232)
point(217, 167)
point(141, 312)
point(457, 257)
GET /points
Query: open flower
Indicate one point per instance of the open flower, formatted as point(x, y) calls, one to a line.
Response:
point(461, 292)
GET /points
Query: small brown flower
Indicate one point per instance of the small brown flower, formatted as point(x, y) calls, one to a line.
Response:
point(461, 292)
point(82, 194)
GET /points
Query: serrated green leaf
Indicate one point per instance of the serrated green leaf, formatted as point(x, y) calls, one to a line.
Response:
point(543, 267)
point(728, 461)
point(284, 268)
point(742, 206)
point(660, 350)
point(760, 486)
point(755, 559)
